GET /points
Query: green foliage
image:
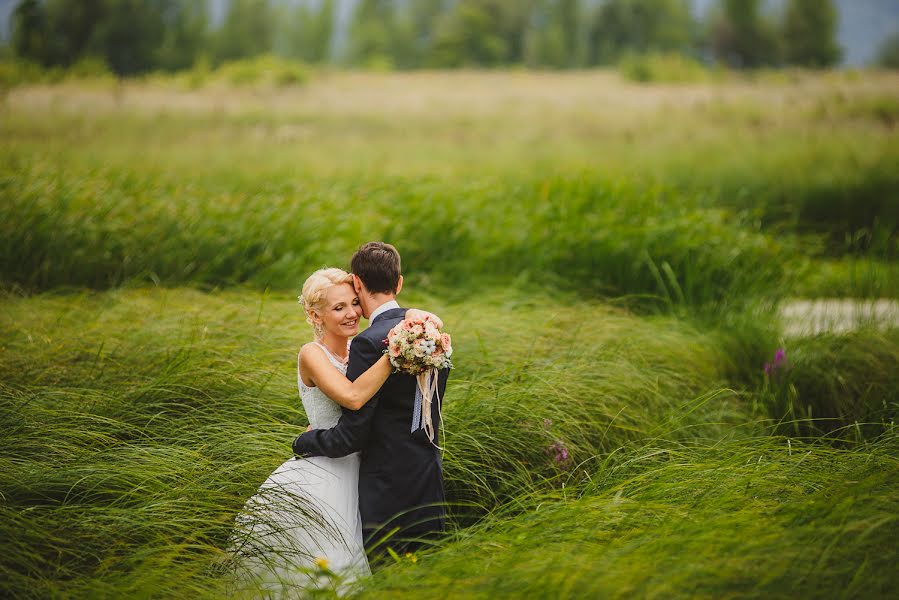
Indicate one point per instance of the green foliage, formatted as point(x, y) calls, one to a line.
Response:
point(757, 517)
point(307, 32)
point(247, 31)
point(810, 28)
point(888, 55)
point(136, 37)
point(843, 385)
point(416, 31)
point(850, 277)
point(558, 39)
point(264, 70)
point(472, 35)
point(742, 37)
point(135, 422)
point(185, 36)
point(89, 68)
point(129, 35)
point(663, 68)
point(374, 35)
point(623, 27)
point(18, 72)
point(609, 239)
point(29, 31)
point(161, 411)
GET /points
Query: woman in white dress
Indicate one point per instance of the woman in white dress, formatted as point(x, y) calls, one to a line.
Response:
point(302, 529)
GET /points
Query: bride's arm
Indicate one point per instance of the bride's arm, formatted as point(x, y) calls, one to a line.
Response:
point(348, 394)
point(352, 394)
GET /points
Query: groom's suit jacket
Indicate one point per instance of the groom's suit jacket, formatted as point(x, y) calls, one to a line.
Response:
point(400, 472)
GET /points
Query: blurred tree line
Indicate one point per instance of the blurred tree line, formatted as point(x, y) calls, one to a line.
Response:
point(135, 36)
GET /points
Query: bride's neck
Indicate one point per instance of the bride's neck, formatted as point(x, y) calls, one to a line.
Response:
point(337, 344)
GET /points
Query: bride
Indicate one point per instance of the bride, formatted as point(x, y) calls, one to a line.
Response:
point(302, 529)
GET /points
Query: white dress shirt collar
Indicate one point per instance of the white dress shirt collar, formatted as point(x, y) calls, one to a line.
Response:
point(389, 305)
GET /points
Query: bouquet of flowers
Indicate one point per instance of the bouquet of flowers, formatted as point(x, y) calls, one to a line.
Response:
point(419, 348)
point(416, 347)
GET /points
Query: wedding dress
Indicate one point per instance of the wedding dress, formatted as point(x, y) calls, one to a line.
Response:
point(306, 511)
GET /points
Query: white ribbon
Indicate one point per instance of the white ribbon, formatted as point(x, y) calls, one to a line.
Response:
point(425, 390)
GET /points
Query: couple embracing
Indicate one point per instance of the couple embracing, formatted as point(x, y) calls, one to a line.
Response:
point(363, 478)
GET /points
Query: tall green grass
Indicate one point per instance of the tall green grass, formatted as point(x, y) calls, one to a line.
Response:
point(102, 229)
point(749, 518)
point(153, 185)
point(846, 386)
point(631, 446)
point(135, 424)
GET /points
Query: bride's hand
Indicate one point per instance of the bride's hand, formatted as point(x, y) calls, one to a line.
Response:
point(309, 428)
point(414, 314)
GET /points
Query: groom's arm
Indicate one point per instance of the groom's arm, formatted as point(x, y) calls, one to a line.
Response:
point(351, 432)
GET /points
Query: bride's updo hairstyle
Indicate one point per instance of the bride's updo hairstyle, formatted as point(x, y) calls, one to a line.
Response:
point(313, 297)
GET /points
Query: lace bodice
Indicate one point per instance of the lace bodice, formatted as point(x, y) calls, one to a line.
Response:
point(323, 412)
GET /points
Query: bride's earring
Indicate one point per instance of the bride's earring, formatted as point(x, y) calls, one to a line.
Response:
point(318, 328)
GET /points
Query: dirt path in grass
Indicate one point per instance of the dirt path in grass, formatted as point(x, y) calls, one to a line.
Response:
point(808, 317)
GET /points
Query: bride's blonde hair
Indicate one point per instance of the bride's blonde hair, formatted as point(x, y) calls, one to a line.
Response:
point(313, 296)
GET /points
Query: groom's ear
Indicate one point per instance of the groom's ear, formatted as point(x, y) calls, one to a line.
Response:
point(357, 284)
point(399, 284)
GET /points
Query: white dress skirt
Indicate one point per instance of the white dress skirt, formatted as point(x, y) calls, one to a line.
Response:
point(302, 529)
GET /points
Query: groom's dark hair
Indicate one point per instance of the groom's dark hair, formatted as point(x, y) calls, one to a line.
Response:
point(378, 266)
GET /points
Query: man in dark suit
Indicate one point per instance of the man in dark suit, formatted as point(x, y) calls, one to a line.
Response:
point(401, 496)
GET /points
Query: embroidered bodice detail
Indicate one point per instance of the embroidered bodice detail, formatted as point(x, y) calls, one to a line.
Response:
point(323, 413)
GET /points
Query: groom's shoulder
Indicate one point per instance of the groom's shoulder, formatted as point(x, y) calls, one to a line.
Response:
point(377, 331)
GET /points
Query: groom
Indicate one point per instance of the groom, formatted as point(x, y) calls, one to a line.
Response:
point(401, 497)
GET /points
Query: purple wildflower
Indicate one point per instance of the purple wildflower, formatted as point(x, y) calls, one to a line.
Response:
point(558, 451)
point(779, 362)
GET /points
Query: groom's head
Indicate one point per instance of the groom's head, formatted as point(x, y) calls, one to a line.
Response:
point(376, 275)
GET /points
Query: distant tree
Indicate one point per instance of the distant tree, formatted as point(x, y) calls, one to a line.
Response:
point(568, 15)
point(888, 55)
point(515, 20)
point(307, 31)
point(129, 35)
point(54, 32)
point(640, 26)
point(810, 33)
point(741, 37)
point(484, 32)
point(185, 27)
point(554, 35)
point(470, 35)
point(247, 31)
point(372, 33)
point(416, 28)
point(30, 32)
point(72, 28)
point(424, 15)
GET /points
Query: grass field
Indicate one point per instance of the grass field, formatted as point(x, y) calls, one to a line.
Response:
point(609, 257)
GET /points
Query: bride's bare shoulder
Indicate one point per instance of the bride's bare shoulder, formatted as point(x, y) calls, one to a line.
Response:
point(309, 350)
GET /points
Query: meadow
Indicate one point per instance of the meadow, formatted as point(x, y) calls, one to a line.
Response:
point(611, 258)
